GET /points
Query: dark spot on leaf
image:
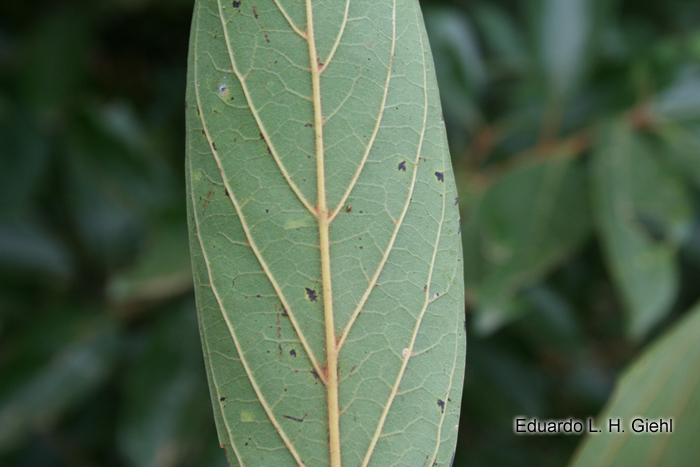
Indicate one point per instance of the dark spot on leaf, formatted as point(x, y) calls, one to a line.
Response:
point(459, 229)
point(313, 372)
point(262, 137)
point(308, 125)
point(348, 208)
point(213, 145)
point(255, 12)
point(259, 296)
point(267, 211)
point(456, 201)
point(440, 176)
point(402, 166)
point(286, 315)
point(232, 98)
point(222, 399)
point(293, 353)
point(293, 418)
point(226, 192)
point(312, 294)
point(204, 133)
point(465, 324)
point(441, 404)
point(236, 4)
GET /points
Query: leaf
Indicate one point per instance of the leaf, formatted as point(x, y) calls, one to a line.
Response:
point(324, 234)
point(661, 383)
point(644, 269)
point(566, 26)
point(524, 226)
point(72, 375)
point(164, 416)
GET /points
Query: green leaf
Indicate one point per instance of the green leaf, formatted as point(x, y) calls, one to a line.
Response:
point(566, 26)
point(525, 225)
point(661, 383)
point(324, 234)
point(644, 269)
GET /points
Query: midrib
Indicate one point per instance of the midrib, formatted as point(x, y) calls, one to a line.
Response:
point(324, 245)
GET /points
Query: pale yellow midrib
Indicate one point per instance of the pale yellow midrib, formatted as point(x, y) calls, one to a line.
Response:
point(324, 247)
point(263, 130)
point(404, 364)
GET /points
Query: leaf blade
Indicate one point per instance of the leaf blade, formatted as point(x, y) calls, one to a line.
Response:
point(258, 246)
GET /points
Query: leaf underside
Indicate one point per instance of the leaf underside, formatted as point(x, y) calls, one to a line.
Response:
point(324, 231)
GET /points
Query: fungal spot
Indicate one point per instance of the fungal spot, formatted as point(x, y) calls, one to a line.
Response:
point(308, 125)
point(204, 133)
point(313, 372)
point(348, 208)
point(441, 404)
point(293, 353)
point(440, 176)
point(286, 315)
point(312, 294)
point(293, 418)
point(402, 166)
point(259, 296)
point(236, 4)
point(456, 201)
point(222, 399)
point(465, 325)
point(255, 12)
point(226, 193)
point(213, 145)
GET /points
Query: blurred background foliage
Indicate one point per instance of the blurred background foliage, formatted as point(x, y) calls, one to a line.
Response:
point(574, 130)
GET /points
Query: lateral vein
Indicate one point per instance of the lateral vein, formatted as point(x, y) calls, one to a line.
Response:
point(337, 39)
point(252, 243)
point(262, 128)
point(289, 20)
point(361, 166)
point(426, 301)
point(215, 291)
